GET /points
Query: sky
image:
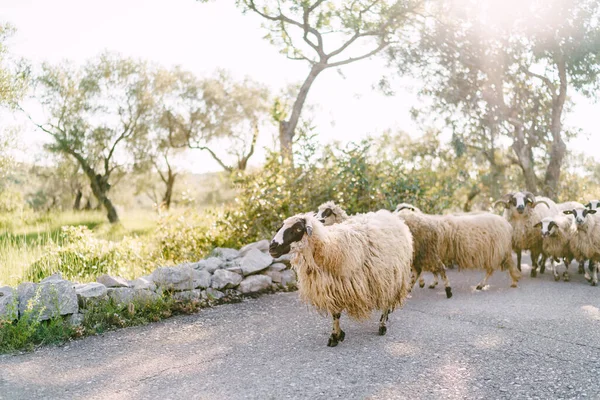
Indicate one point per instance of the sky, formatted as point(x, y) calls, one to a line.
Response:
point(204, 37)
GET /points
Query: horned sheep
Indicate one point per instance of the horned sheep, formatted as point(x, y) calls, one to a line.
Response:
point(359, 265)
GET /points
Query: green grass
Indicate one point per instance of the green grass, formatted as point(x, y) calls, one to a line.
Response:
point(26, 237)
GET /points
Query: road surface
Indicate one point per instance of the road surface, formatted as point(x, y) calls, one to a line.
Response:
point(541, 340)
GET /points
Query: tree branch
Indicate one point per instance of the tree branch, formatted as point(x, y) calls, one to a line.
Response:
point(381, 46)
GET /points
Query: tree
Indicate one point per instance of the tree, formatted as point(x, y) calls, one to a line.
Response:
point(217, 112)
point(493, 78)
point(93, 113)
point(326, 34)
point(13, 75)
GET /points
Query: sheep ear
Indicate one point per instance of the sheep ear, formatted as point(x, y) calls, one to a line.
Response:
point(538, 225)
point(309, 229)
point(588, 205)
point(568, 212)
point(591, 211)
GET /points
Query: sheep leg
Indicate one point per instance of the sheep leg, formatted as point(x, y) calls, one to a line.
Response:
point(421, 282)
point(382, 322)
point(513, 272)
point(581, 269)
point(337, 335)
point(595, 275)
point(435, 281)
point(555, 269)
point(566, 276)
point(587, 275)
point(518, 251)
point(484, 281)
point(543, 264)
point(446, 284)
point(534, 263)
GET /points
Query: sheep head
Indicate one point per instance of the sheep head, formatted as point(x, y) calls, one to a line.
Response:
point(290, 234)
point(520, 200)
point(593, 204)
point(329, 213)
point(580, 215)
point(548, 227)
point(406, 206)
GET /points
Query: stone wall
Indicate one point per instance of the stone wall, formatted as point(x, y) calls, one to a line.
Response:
point(226, 272)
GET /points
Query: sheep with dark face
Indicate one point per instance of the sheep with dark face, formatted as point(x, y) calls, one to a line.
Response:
point(585, 242)
point(330, 213)
point(523, 212)
point(593, 204)
point(557, 232)
point(357, 266)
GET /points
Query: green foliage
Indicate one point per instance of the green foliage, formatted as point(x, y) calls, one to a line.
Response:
point(361, 177)
point(83, 257)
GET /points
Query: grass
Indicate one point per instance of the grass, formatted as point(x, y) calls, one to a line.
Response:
point(25, 237)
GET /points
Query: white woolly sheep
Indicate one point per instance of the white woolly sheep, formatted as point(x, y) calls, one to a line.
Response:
point(478, 241)
point(557, 232)
point(357, 266)
point(522, 213)
point(427, 236)
point(585, 242)
point(330, 213)
point(593, 204)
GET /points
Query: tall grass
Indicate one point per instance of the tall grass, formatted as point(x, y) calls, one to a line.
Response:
point(26, 237)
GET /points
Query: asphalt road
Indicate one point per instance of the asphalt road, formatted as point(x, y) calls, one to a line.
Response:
point(541, 340)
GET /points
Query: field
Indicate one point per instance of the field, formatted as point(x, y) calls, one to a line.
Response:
point(26, 237)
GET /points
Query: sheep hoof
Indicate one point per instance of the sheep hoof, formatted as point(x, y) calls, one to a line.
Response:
point(382, 330)
point(448, 292)
point(332, 342)
point(556, 278)
point(594, 283)
point(519, 267)
point(514, 284)
point(342, 335)
point(588, 278)
point(479, 287)
point(581, 270)
point(533, 273)
point(432, 286)
point(421, 285)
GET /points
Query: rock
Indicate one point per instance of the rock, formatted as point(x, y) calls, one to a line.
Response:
point(225, 253)
point(56, 277)
point(288, 278)
point(125, 296)
point(87, 292)
point(9, 307)
point(262, 245)
point(49, 298)
point(237, 270)
point(144, 282)
point(225, 279)
point(112, 281)
point(255, 261)
point(76, 319)
point(202, 279)
point(275, 275)
point(214, 294)
point(177, 278)
point(121, 295)
point(188, 295)
point(255, 283)
point(210, 265)
point(284, 259)
point(277, 267)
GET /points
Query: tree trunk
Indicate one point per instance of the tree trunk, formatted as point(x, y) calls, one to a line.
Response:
point(168, 196)
point(559, 148)
point(100, 188)
point(77, 203)
point(287, 129)
point(525, 157)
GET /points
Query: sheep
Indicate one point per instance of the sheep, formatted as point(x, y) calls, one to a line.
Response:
point(359, 265)
point(427, 234)
point(585, 242)
point(330, 213)
point(557, 232)
point(479, 240)
point(593, 204)
point(522, 213)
